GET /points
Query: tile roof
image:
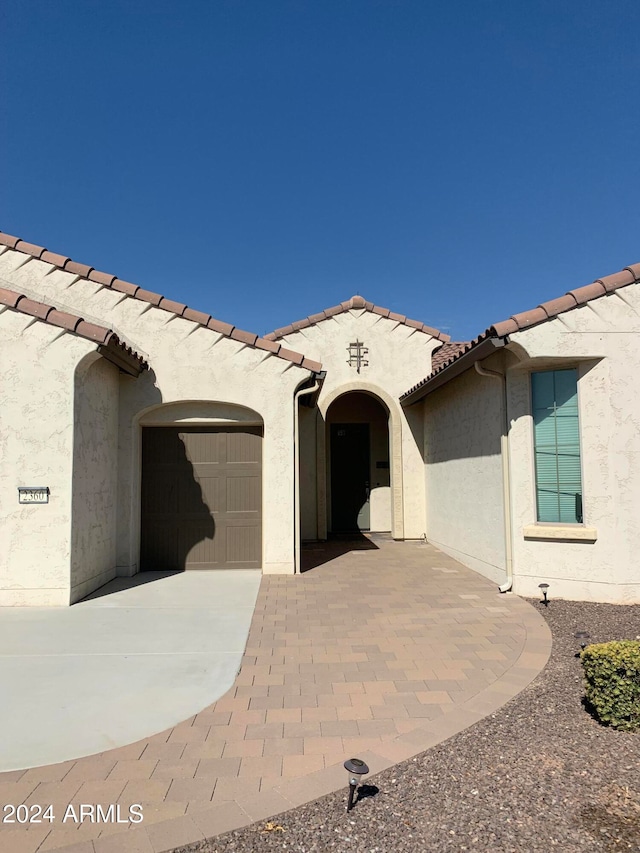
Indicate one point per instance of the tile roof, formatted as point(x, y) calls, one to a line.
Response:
point(446, 353)
point(177, 308)
point(541, 314)
point(356, 302)
point(109, 344)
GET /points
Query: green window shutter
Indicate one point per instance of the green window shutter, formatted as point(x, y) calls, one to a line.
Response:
point(556, 430)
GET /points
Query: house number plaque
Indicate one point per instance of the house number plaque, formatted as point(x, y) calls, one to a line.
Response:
point(33, 494)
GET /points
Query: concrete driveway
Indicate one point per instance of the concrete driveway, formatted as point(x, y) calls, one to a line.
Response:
point(136, 657)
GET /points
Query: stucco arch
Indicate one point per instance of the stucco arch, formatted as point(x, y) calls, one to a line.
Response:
point(196, 412)
point(395, 452)
point(94, 475)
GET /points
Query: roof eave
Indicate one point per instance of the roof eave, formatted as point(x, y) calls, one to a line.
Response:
point(482, 350)
point(124, 359)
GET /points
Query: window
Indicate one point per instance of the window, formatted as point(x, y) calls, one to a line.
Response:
point(557, 446)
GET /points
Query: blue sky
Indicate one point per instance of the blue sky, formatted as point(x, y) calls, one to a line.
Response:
point(454, 161)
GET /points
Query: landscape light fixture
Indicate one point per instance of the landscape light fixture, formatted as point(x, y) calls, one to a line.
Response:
point(544, 587)
point(356, 768)
point(582, 637)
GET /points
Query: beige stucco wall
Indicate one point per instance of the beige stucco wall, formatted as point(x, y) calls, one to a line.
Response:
point(602, 339)
point(95, 476)
point(463, 471)
point(37, 364)
point(398, 358)
point(188, 363)
point(309, 425)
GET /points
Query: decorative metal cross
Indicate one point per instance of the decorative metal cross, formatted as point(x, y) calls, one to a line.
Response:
point(357, 352)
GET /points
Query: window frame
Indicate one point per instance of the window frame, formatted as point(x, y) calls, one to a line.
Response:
point(576, 525)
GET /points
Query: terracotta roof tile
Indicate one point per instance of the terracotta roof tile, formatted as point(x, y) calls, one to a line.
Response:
point(295, 357)
point(244, 337)
point(113, 349)
point(64, 320)
point(618, 279)
point(504, 327)
point(149, 296)
point(35, 309)
point(544, 312)
point(93, 332)
point(355, 303)
point(77, 269)
point(125, 287)
point(269, 346)
point(53, 258)
point(9, 297)
point(383, 312)
point(8, 240)
point(447, 352)
point(174, 307)
point(101, 278)
point(30, 248)
point(331, 312)
point(136, 292)
point(219, 326)
point(557, 306)
point(196, 316)
point(309, 364)
point(300, 324)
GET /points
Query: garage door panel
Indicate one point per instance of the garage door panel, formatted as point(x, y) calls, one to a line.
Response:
point(201, 498)
point(203, 447)
point(202, 545)
point(203, 495)
point(244, 447)
point(243, 495)
point(159, 546)
point(160, 493)
point(242, 545)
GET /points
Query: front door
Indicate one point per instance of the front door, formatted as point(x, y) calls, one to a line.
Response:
point(349, 477)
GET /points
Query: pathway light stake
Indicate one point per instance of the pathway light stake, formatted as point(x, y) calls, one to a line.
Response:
point(582, 637)
point(356, 768)
point(544, 587)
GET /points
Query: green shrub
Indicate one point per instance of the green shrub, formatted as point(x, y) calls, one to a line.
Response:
point(612, 673)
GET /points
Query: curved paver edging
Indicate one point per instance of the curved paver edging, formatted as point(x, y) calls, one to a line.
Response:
point(381, 652)
point(533, 658)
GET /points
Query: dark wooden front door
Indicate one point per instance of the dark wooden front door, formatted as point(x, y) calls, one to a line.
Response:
point(349, 477)
point(201, 498)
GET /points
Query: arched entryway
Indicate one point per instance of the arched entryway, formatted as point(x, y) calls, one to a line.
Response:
point(358, 464)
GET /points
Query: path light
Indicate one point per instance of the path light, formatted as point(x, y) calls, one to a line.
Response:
point(544, 587)
point(356, 768)
point(582, 637)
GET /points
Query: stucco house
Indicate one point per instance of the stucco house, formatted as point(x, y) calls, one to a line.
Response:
point(137, 433)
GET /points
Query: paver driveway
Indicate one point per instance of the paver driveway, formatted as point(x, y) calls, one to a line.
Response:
point(381, 650)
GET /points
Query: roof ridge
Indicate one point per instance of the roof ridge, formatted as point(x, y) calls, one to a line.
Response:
point(84, 271)
point(542, 313)
point(51, 315)
point(356, 302)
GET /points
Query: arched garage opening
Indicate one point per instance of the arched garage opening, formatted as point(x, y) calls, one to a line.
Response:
point(201, 488)
point(358, 469)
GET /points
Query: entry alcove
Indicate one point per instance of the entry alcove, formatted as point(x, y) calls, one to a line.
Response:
point(358, 469)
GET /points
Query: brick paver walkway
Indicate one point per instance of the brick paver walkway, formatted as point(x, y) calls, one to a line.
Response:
point(379, 652)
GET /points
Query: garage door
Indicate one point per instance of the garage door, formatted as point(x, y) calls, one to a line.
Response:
point(201, 498)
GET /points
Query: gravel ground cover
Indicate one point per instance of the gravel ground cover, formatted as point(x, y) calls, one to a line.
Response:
point(540, 774)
